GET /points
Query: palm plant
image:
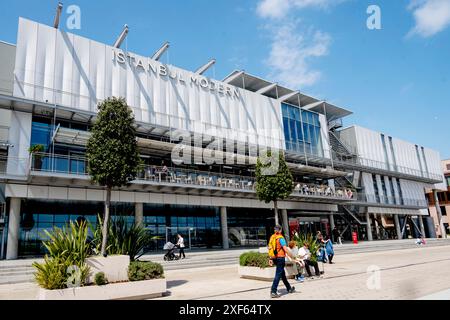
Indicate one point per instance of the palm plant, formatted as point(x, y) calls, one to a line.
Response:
point(314, 247)
point(67, 249)
point(122, 238)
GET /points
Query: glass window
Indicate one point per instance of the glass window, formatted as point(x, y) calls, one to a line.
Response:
point(299, 131)
point(307, 136)
point(291, 112)
point(296, 114)
point(292, 127)
point(316, 120)
point(285, 110)
point(287, 134)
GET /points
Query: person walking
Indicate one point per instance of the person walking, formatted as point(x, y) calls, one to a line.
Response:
point(180, 245)
point(337, 236)
point(329, 250)
point(278, 251)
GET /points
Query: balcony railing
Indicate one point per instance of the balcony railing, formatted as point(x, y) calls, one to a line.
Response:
point(384, 200)
point(76, 165)
point(369, 163)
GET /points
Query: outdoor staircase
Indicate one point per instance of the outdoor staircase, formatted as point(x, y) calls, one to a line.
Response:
point(339, 147)
point(16, 272)
point(356, 216)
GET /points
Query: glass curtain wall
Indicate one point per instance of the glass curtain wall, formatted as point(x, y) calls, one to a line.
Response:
point(302, 130)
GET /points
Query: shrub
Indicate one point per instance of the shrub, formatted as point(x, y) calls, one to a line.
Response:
point(51, 274)
point(122, 238)
point(143, 270)
point(254, 259)
point(67, 250)
point(100, 279)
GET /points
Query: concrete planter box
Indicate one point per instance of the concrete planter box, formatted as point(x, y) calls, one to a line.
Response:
point(265, 274)
point(114, 267)
point(136, 290)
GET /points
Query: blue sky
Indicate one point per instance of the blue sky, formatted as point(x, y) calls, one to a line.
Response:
point(396, 80)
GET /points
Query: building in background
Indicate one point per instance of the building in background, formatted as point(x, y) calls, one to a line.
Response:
point(352, 178)
point(443, 202)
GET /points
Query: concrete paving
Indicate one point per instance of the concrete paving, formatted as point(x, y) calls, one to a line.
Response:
point(411, 273)
point(403, 274)
point(21, 271)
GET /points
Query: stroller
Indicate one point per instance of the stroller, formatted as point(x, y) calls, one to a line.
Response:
point(170, 254)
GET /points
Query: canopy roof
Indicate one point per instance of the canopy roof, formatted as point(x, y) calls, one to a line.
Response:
point(273, 90)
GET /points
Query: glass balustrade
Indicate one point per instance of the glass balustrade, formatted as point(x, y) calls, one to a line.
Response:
point(75, 165)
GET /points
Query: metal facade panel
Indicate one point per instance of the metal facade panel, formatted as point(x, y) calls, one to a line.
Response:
point(77, 73)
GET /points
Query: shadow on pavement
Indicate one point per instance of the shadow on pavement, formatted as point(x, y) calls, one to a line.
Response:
point(175, 283)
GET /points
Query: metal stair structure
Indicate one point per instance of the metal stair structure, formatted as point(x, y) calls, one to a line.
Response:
point(339, 147)
point(353, 214)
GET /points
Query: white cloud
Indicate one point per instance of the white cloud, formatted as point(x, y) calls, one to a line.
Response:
point(290, 54)
point(431, 16)
point(280, 8)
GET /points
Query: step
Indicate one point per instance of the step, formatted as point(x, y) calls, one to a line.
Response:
point(17, 279)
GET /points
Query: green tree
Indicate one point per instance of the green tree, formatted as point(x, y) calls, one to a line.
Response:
point(274, 180)
point(112, 151)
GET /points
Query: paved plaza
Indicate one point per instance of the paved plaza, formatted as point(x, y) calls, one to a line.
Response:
point(405, 273)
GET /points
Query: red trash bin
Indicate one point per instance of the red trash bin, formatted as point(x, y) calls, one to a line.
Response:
point(355, 237)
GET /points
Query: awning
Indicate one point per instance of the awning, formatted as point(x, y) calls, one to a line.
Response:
point(71, 136)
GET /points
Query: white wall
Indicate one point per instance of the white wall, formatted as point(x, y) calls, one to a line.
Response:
point(369, 145)
point(84, 72)
point(19, 137)
point(324, 135)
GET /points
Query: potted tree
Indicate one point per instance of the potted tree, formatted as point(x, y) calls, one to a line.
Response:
point(112, 152)
point(274, 181)
point(36, 151)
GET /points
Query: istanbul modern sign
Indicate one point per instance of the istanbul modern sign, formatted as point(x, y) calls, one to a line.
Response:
point(161, 70)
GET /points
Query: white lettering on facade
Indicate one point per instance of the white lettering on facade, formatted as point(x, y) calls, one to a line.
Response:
point(165, 71)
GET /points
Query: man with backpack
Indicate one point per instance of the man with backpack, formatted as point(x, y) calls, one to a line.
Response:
point(278, 251)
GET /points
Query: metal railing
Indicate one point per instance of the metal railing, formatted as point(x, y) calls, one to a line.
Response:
point(75, 165)
point(389, 200)
point(323, 191)
point(369, 163)
point(14, 166)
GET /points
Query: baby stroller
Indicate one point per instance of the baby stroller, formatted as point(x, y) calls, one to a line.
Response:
point(170, 254)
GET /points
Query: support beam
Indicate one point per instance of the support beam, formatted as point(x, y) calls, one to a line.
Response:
point(267, 88)
point(439, 214)
point(377, 227)
point(233, 77)
point(312, 105)
point(285, 221)
point(397, 227)
point(369, 227)
point(288, 96)
point(139, 214)
point(205, 67)
point(332, 225)
point(224, 227)
point(422, 226)
point(161, 51)
point(12, 248)
point(57, 15)
point(121, 37)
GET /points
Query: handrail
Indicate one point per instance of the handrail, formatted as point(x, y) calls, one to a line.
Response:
point(365, 162)
point(78, 165)
point(390, 200)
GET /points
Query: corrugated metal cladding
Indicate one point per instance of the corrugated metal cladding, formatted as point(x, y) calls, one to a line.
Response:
point(58, 67)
